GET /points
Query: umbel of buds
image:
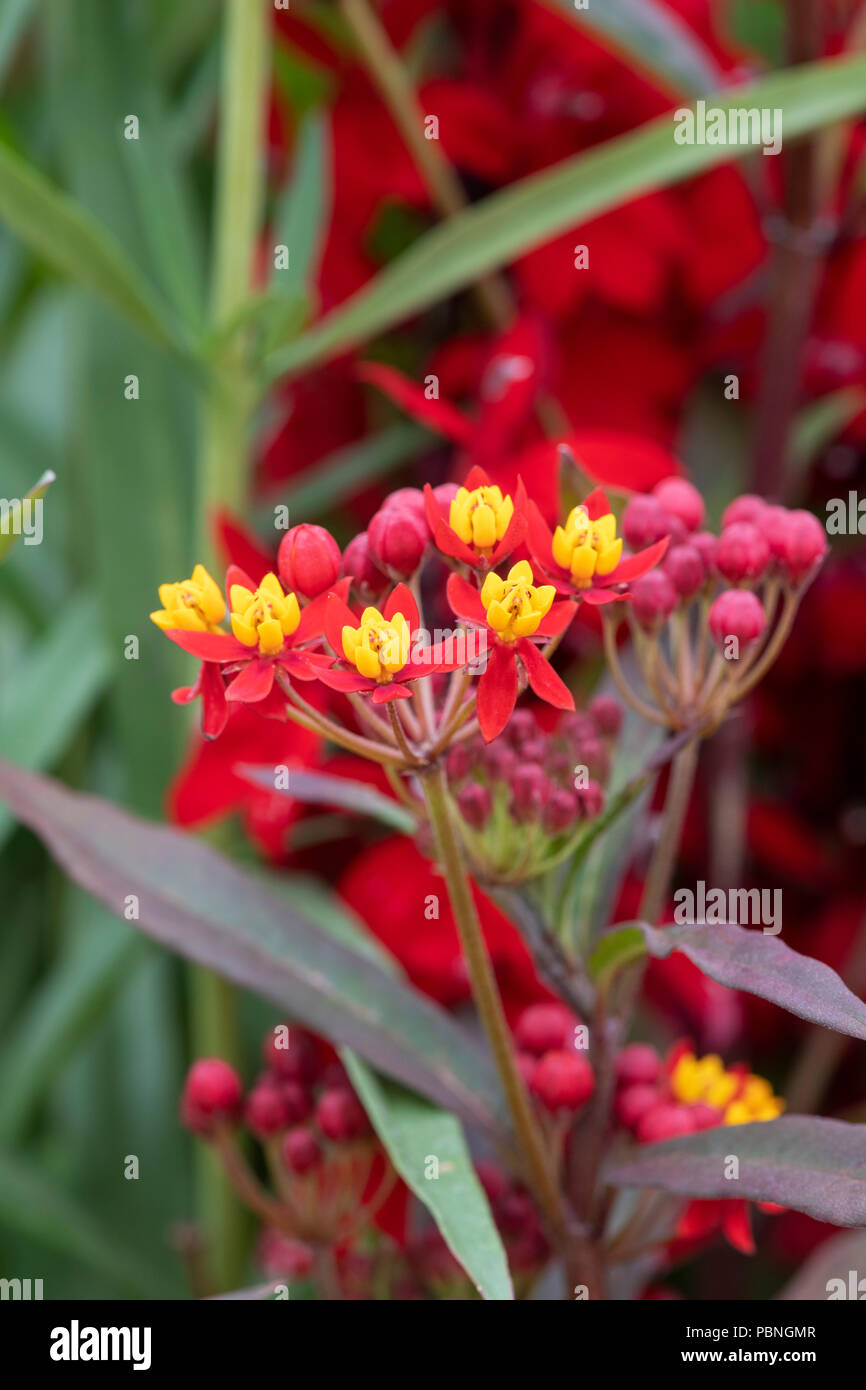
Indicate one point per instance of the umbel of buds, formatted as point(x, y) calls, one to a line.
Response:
point(709, 622)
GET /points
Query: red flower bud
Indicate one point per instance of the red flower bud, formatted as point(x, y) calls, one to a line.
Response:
point(529, 791)
point(591, 800)
point(408, 499)
point(654, 598)
point(802, 545)
point(521, 727)
point(705, 1116)
point(561, 811)
point(445, 494)
point(685, 569)
point(706, 544)
point(563, 1081)
point(595, 759)
point(308, 560)
point(667, 1121)
point(212, 1094)
point(458, 764)
point(475, 805)
point(359, 563)
point(736, 613)
point(266, 1110)
point(644, 521)
point(638, 1063)
point(499, 761)
point(397, 538)
point(545, 1028)
point(299, 1061)
point(743, 552)
point(749, 507)
point(634, 1102)
point(606, 714)
point(301, 1152)
point(341, 1116)
point(681, 499)
point(296, 1100)
point(560, 768)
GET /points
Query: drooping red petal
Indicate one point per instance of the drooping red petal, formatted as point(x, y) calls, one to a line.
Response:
point(402, 600)
point(737, 1225)
point(394, 691)
point(634, 566)
point(597, 504)
point(539, 537)
point(465, 600)
point(445, 656)
point(516, 529)
point(214, 710)
point(596, 597)
point(542, 677)
point(236, 575)
point(440, 416)
point(253, 683)
point(208, 646)
point(339, 678)
point(446, 540)
point(303, 666)
point(556, 620)
point(312, 622)
point(497, 691)
point(338, 615)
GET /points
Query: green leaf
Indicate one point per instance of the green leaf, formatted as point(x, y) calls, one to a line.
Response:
point(53, 689)
point(320, 789)
point(513, 221)
point(413, 1132)
point(36, 493)
point(820, 423)
point(343, 474)
point(802, 1161)
point(14, 17)
point(651, 37)
point(615, 950)
point(203, 906)
point(302, 212)
point(760, 25)
point(41, 1211)
point(60, 232)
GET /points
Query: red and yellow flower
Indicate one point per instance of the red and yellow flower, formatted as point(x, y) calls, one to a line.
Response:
point(584, 557)
point(482, 526)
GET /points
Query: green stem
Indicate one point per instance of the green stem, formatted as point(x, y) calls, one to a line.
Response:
point(538, 1165)
point(664, 858)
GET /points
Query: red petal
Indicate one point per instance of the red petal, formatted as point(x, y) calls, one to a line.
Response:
point(301, 664)
point(402, 600)
point(623, 459)
point(254, 682)
point(445, 656)
point(557, 619)
point(516, 526)
point(437, 415)
point(395, 691)
point(476, 477)
point(239, 546)
point(597, 504)
point(542, 677)
point(444, 538)
point(497, 691)
point(312, 622)
point(596, 597)
point(208, 646)
point(465, 600)
point(737, 1225)
point(235, 575)
point(634, 566)
point(337, 616)
point(214, 710)
point(349, 682)
point(539, 537)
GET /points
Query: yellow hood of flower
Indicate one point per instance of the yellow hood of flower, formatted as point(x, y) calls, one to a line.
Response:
point(587, 549)
point(514, 605)
point(704, 1080)
point(193, 605)
point(263, 618)
point(481, 517)
point(379, 647)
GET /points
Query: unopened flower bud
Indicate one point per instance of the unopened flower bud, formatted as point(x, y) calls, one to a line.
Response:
point(475, 805)
point(445, 494)
point(296, 1101)
point(654, 598)
point(407, 499)
point(266, 1111)
point(749, 507)
point(743, 553)
point(633, 1102)
point(545, 1028)
point(736, 613)
point(212, 1095)
point(685, 569)
point(529, 790)
point(359, 563)
point(298, 1060)
point(560, 768)
point(301, 1151)
point(606, 714)
point(563, 1081)
point(521, 727)
point(668, 1121)
point(638, 1063)
point(309, 560)
point(706, 544)
point(644, 521)
point(803, 545)
point(458, 763)
point(590, 800)
point(341, 1116)
point(397, 538)
point(561, 811)
point(681, 499)
point(499, 761)
point(596, 759)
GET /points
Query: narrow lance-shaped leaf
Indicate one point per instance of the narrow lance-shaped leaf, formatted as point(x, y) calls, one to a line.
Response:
point(196, 902)
point(17, 519)
point(320, 789)
point(513, 221)
point(763, 965)
point(414, 1132)
point(802, 1161)
point(652, 37)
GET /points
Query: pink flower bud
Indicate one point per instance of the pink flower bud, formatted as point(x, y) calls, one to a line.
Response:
point(595, 758)
point(654, 598)
point(743, 553)
point(664, 1122)
point(563, 1081)
point(521, 727)
point(458, 764)
point(212, 1094)
point(359, 563)
point(499, 761)
point(634, 1102)
point(606, 714)
point(397, 538)
point(748, 507)
point(299, 1061)
point(475, 805)
point(529, 791)
point(736, 613)
point(341, 1116)
point(803, 545)
point(301, 1151)
point(644, 521)
point(706, 544)
point(445, 494)
point(638, 1064)
point(545, 1028)
point(561, 811)
point(407, 499)
point(266, 1111)
point(308, 560)
point(591, 800)
point(681, 499)
point(685, 569)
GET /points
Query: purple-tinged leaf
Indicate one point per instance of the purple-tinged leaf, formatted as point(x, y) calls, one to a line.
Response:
point(802, 1161)
point(763, 965)
point(200, 904)
point(828, 1271)
point(323, 789)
